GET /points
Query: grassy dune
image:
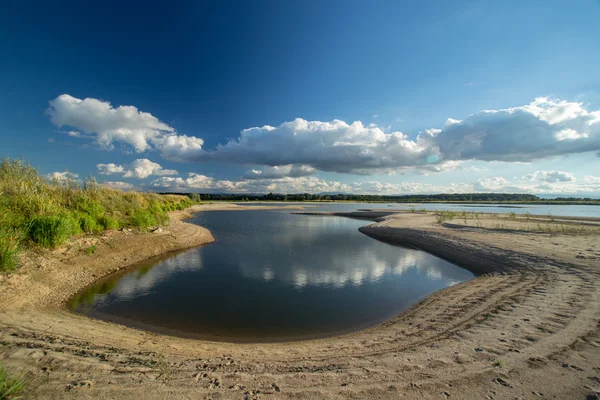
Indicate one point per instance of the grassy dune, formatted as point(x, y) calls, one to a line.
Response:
point(38, 212)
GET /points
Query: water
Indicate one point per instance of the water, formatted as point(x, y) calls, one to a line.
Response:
point(271, 276)
point(537, 209)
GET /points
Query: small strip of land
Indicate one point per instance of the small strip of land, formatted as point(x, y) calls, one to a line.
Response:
point(526, 327)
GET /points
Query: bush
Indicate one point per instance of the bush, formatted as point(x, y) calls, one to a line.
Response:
point(87, 223)
point(90, 207)
point(107, 222)
point(50, 231)
point(142, 219)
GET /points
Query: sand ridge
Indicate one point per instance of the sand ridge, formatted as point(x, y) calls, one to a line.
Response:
point(527, 326)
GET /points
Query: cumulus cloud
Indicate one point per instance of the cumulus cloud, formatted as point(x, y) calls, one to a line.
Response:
point(491, 184)
point(121, 125)
point(62, 176)
point(326, 146)
point(543, 128)
point(110, 169)
point(592, 179)
point(311, 184)
point(551, 176)
point(140, 169)
point(277, 172)
point(200, 182)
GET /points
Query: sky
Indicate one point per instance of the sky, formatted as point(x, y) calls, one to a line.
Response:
point(380, 97)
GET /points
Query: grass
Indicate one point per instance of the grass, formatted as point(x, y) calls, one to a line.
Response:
point(10, 388)
point(38, 212)
point(91, 250)
point(442, 216)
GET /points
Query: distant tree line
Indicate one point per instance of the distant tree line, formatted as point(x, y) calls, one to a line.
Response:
point(413, 198)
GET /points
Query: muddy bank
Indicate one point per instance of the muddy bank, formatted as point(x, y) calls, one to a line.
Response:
point(527, 327)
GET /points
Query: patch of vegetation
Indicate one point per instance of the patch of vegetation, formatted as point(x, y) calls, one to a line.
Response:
point(10, 239)
point(11, 388)
point(442, 216)
point(51, 230)
point(38, 212)
point(91, 250)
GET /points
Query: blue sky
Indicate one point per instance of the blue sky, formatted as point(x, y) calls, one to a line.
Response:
point(345, 95)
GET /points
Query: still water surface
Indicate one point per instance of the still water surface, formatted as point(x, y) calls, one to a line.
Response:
point(271, 276)
point(571, 210)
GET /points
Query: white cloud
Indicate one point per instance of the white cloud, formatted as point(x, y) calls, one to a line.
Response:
point(592, 179)
point(440, 167)
point(110, 169)
point(121, 125)
point(491, 184)
point(62, 176)
point(551, 176)
point(569, 134)
point(326, 146)
point(545, 127)
point(292, 171)
point(140, 169)
point(196, 181)
point(312, 184)
point(522, 133)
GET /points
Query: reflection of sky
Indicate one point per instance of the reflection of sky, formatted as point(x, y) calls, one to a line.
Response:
point(325, 251)
point(275, 275)
point(141, 282)
point(349, 269)
point(297, 250)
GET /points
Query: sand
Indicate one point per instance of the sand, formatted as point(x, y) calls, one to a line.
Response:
point(526, 327)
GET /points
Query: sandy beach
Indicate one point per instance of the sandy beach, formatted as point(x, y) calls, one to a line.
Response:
point(526, 327)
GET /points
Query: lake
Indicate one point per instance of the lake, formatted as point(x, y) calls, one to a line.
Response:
point(571, 210)
point(270, 276)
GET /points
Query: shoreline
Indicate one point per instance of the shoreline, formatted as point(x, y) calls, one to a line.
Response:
point(417, 353)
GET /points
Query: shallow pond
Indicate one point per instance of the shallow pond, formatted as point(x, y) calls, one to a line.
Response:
point(271, 276)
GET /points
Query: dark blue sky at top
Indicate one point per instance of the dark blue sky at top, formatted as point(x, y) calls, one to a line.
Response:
point(211, 69)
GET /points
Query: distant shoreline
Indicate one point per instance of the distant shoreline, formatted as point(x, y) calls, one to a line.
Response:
point(505, 204)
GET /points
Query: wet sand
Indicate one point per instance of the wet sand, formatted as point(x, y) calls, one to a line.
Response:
point(527, 326)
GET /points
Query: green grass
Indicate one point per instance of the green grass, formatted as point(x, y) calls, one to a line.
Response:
point(91, 250)
point(51, 230)
point(10, 388)
point(38, 212)
point(442, 216)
